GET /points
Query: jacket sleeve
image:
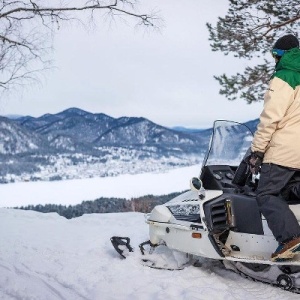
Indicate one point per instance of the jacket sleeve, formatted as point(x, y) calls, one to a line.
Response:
point(277, 100)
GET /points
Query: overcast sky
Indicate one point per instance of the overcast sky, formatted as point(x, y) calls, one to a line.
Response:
point(119, 70)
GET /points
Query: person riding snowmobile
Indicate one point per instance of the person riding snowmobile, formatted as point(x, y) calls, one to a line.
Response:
point(276, 146)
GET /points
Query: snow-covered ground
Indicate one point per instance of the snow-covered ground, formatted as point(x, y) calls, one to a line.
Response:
point(45, 256)
point(70, 192)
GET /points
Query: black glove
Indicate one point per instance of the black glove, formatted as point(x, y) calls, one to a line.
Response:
point(255, 161)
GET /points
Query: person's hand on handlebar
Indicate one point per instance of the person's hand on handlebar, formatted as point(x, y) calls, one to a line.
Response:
point(255, 161)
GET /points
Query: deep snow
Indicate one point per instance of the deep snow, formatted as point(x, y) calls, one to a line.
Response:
point(45, 256)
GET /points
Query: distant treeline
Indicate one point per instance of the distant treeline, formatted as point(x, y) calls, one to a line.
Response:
point(142, 204)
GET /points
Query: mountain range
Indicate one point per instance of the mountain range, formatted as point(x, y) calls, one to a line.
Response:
point(75, 143)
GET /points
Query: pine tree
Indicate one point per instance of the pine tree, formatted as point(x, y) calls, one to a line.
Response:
point(249, 30)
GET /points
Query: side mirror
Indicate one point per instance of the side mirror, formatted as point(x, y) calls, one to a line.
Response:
point(196, 184)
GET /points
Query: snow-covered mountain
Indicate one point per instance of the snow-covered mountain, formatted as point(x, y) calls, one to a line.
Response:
point(15, 139)
point(90, 130)
point(77, 144)
point(140, 131)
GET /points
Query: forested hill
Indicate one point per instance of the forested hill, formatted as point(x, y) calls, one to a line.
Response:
point(142, 204)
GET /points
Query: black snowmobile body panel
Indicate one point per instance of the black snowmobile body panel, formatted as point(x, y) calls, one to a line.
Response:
point(244, 211)
point(217, 177)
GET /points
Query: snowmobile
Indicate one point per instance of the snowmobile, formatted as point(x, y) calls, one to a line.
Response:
point(219, 219)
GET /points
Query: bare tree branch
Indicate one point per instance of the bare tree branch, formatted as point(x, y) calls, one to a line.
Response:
point(26, 28)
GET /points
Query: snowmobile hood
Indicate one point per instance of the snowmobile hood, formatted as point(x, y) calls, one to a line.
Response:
point(288, 68)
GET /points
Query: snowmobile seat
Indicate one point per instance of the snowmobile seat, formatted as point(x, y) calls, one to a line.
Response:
point(296, 210)
point(246, 214)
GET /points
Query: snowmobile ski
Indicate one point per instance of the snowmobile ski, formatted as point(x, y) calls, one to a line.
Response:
point(121, 244)
point(160, 257)
point(155, 256)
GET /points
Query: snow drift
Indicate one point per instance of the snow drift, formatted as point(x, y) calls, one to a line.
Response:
point(45, 256)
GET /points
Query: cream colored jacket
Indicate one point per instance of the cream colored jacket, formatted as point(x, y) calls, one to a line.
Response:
point(278, 132)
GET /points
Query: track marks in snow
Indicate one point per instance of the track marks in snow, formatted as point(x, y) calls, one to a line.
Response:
point(48, 257)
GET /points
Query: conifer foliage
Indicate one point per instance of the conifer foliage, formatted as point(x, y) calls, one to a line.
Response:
point(142, 204)
point(248, 31)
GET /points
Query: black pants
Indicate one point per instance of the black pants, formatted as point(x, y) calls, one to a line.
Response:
point(281, 220)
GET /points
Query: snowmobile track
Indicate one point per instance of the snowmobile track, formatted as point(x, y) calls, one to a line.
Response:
point(287, 287)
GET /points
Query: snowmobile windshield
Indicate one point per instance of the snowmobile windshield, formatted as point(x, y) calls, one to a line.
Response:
point(229, 143)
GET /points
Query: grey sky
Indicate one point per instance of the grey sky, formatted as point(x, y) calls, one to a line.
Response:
point(165, 76)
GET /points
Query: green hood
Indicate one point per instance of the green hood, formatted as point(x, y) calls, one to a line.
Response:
point(288, 68)
point(290, 60)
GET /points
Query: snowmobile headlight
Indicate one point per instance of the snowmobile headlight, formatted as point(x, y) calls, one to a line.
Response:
point(185, 210)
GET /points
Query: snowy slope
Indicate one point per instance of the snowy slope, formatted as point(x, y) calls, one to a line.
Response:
point(45, 256)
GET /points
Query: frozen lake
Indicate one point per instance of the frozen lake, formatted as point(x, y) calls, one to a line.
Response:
point(70, 192)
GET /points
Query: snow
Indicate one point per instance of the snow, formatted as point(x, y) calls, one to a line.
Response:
point(45, 256)
point(70, 192)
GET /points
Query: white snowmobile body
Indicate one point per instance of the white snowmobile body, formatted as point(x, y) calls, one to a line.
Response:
point(192, 232)
point(221, 219)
